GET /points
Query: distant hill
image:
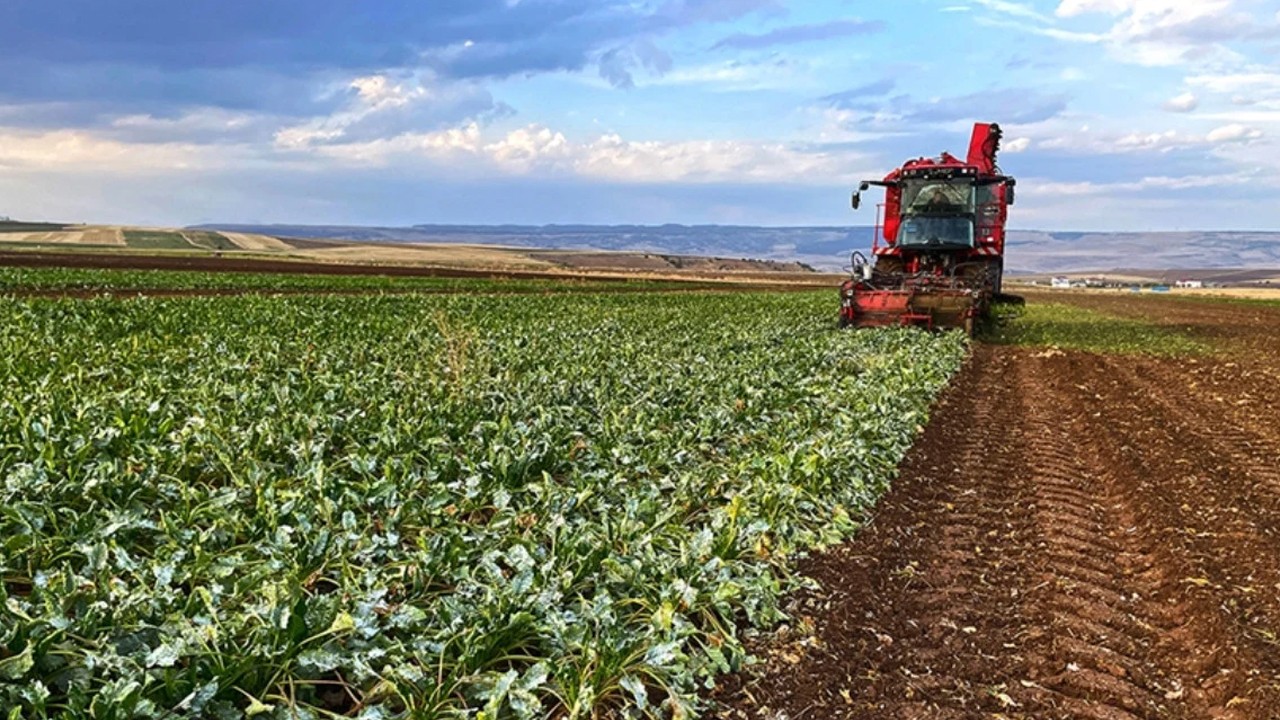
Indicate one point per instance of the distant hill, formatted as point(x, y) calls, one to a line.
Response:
point(1063, 252)
point(825, 248)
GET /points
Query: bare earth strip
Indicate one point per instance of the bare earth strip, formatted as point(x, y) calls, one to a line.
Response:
point(445, 255)
point(1075, 536)
point(1255, 293)
point(88, 236)
point(104, 236)
point(47, 238)
point(256, 242)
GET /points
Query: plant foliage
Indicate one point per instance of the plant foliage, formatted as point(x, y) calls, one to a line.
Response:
point(1065, 326)
point(424, 506)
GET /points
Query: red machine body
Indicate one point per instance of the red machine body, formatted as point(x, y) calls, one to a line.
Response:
point(939, 241)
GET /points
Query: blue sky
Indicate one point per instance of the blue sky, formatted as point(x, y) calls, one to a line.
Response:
point(1119, 114)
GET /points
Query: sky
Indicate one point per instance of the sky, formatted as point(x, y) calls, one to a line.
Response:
point(1118, 114)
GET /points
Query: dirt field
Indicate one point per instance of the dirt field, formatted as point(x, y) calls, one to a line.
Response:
point(87, 236)
point(1242, 293)
point(233, 263)
point(257, 242)
point(1250, 293)
point(462, 256)
point(209, 263)
point(1075, 536)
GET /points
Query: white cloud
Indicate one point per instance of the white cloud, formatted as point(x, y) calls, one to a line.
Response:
point(1071, 8)
point(528, 148)
point(1169, 32)
point(206, 119)
point(1015, 9)
point(1055, 33)
point(1086, 141)
point(1016, 145)
point(1152, 141)
point(379, 92)
point(1255, 88)
point(82, 149)
point(1233, 133)
point(373, 94)
point(451, 144)
point(1251, 86)
point(1049, 189)
point(536, 149)
point(382, 106)
point(613, 158)
point(1268, 115)
point(1186, 102)
point(738, 75)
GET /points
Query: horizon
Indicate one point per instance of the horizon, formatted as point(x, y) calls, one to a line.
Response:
point(1138, 116)
point(1012, 228)
point(648, 226)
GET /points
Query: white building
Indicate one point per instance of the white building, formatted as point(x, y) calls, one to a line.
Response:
point(1189, 284)
point(1061, 282)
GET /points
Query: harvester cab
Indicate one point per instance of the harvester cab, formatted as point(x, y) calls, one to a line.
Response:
point(938, 250)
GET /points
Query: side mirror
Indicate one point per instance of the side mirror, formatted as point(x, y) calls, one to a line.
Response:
point(857, 200)
point(1008, 194)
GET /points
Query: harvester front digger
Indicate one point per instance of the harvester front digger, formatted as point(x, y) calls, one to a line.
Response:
point(939, 242)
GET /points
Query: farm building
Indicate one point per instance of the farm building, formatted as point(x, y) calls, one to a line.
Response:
point(1061, 282)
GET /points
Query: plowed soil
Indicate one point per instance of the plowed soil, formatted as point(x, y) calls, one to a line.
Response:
point(1074, 536)
point(206, 263)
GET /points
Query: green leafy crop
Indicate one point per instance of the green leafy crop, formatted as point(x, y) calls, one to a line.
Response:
point(19, 280)
point(424, 506)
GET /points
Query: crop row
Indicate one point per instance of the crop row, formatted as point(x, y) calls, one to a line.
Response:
point(424, 506)
point(86, 279)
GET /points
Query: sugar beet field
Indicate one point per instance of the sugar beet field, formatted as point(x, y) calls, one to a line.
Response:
point(391, 506)
point(232, 497)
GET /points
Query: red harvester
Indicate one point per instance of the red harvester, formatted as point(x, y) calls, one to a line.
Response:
point(939, 242)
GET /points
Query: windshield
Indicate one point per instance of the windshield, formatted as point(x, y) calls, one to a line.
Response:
point(926, 231)
point(934, 197)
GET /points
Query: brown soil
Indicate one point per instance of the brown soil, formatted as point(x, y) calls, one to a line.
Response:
point(212, 263)
point(238, 263)
point(1074, 536)
point(662, 262)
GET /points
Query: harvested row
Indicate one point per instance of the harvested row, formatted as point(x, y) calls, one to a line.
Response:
point(1065, 542)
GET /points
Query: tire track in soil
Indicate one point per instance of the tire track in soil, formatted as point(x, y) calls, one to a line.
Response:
point(1030, 562)
point(1118, 640)
point(1222, 510)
